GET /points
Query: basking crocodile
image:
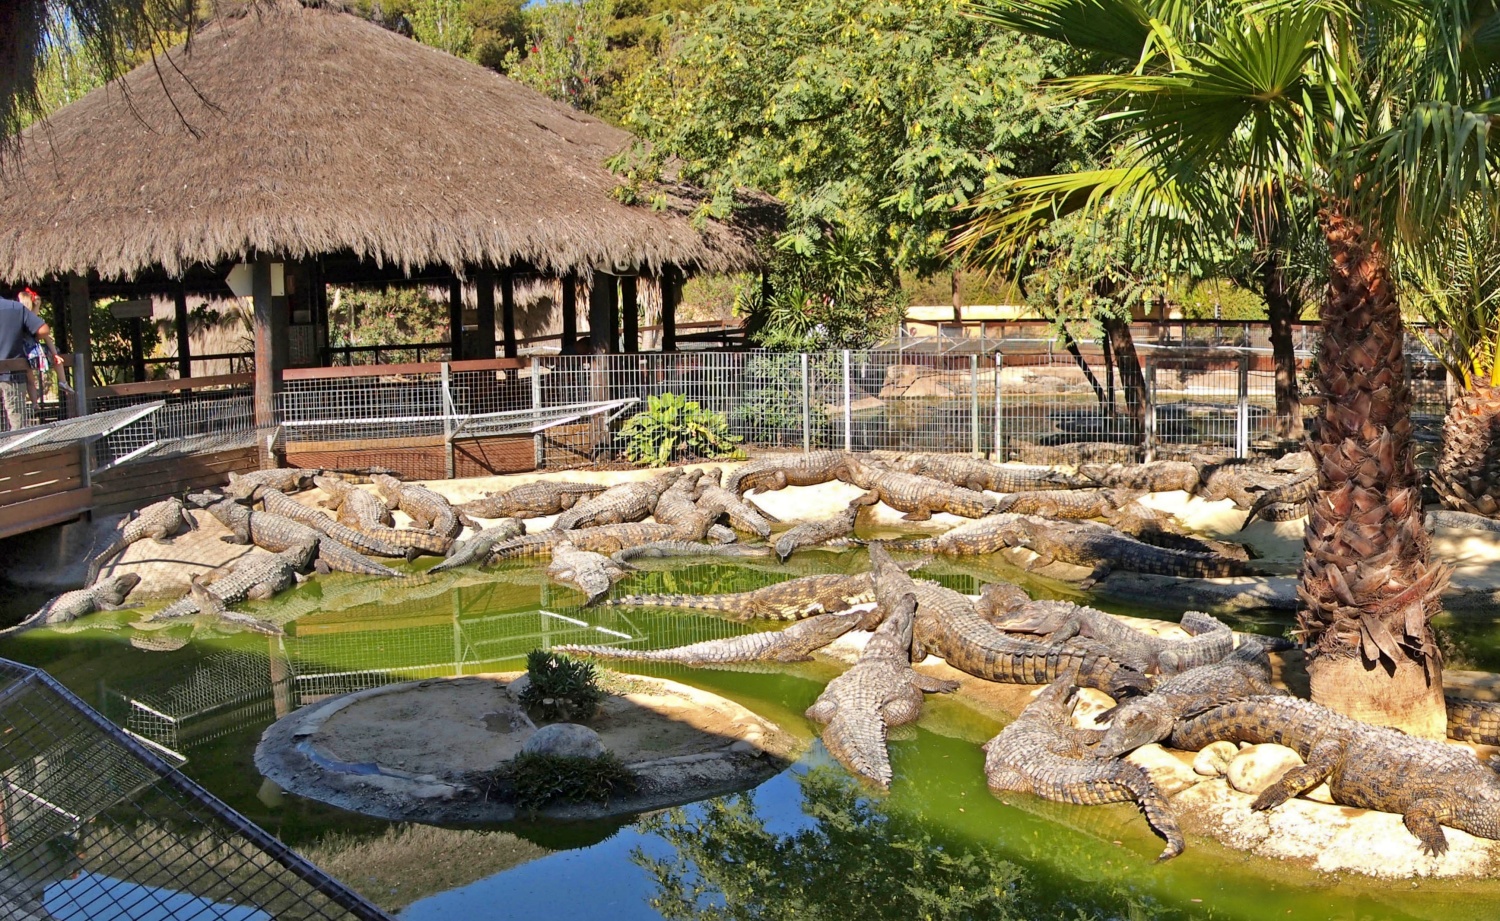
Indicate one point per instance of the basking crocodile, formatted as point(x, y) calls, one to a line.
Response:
point(778, 471)
point(159, 521)
point(1443, 518)
point(742, 514)
point(1428, 783)
point(1071, 504)
point(1103, 548)
point(278, 503)
point(948, 625)
point(793, 644)
point(1273, 503)
point(813, 533)
point(1078, 453)
point(1041, 753)
point(107, 595)
point(679, 501)
point(998, 599)
point(428, 510)
point(1145, 652)
point(1158, 476)
point(247, 487)
point(1150, 526)
point(591, 573)
point(365, 512)
point(211, 619)
point(254, 578)
point(1242, 674)
point(662, 549)
point(623, 502)
point(608, 538)
point(973, 473)
point(278, 534)
point(880, 690)
point(793, 599)
point(532, 500)
point(476, 549)
point(917, 496)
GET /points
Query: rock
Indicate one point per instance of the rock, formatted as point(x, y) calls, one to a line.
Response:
point(568, 740)
point(1166, 770)
point(1213, 760)
point(518, 686)
point(1320, 794)
point(1088, 703)
point(1257, 767)
point(743, 747)
point(927, 387)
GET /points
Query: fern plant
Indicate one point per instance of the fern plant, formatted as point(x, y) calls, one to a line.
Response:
point(672, 427)
point(560, 687)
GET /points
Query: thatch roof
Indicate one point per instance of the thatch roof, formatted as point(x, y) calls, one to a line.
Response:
point(296, 130)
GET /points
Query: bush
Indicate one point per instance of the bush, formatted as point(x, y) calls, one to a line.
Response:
point(671, 427)
point(560, 688)
point(536, 780)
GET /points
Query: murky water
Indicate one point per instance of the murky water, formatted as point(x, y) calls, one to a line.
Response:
point(805, 844)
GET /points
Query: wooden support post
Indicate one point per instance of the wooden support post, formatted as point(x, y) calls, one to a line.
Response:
point(630, 313)
point(570, 314)
point(270, 356)
point(508, 311)
point(184, 344)
point(455, 320)
point(137, 352)
point(671, 296)
point(78, 323)
point(603, 313)
point(614, 314)
point(57, 296)
point(484, 337)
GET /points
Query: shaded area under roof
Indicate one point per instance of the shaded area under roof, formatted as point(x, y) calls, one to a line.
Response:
point(296, 130)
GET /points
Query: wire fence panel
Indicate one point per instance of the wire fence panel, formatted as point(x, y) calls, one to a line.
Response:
point(1050, 402)
point(95, 826)
point(362, 408)
point(188, 422)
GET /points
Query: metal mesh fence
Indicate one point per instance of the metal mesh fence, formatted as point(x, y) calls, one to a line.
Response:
point(95, 826)
point(186, 422)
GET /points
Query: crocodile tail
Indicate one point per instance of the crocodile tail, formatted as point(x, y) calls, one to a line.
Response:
point(914, 544)
point(1473, 720)
point(614, 652)
point(1116, 680)
point(857, 740)
point(115, 548)
point(1153, 805)
point(693, 602)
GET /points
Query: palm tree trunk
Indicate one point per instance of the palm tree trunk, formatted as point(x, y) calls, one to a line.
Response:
point(1368, 591)
point(1467, 477)
point(1281, 310)
point(1128, 361)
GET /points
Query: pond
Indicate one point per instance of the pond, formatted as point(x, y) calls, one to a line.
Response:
point(808, 843)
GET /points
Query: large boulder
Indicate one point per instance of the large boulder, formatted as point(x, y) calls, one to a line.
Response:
point(1257, 767)
point(568, 740)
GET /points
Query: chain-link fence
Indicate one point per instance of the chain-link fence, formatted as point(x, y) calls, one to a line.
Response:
point(187, 421)
point(94, 825)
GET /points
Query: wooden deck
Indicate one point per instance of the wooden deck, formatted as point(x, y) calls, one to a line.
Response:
point(43, 488)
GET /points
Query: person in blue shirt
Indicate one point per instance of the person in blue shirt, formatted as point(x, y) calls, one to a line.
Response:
point(19, 322)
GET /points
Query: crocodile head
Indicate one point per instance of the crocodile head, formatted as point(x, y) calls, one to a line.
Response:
point(1133, 724)
point(204, 499)
point(119, 586)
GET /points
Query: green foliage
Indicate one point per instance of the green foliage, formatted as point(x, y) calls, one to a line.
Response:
point(839, 297)
point(1454, 284)
point(443, 25)
point(560, 688)
point(110, 343)
point(672, 427)
point(538, 780)
point(1224, 299)
point(385, 316)
point(771, 404)
point(728, 866)
point(566, 54)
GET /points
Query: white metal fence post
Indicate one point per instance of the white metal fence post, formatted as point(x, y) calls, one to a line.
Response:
point(1150, 433)
point(448, 466)
point(535, 366)
point(848, 411)
point(974, 404)
point(999, 366)
point(1242, 414)
point(806, 408)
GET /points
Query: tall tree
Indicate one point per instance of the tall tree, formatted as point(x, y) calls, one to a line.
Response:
point(1376, 113)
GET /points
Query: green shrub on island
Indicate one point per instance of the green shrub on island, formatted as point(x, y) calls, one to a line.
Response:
point(560, 688)
point(538, 780)
point(673, 427)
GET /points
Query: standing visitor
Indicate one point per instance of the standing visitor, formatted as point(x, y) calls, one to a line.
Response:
point(19, 322)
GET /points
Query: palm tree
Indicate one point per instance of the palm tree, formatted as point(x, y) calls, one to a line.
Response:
point(1376, 112)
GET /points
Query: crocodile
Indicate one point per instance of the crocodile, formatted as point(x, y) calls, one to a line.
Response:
point(159, 521)
point(948, 625)
point(1078, 453)
point(247, 487)
point(793, 599)
point(476, 548)
point(743, 514)
point(778, 471)
point(1443, 518)
point(278, 503)
point(623, 502)
point(278, 533)
point(998, 599)
point(813, 533)
point(532, 500)
point(1145, 652)
point(608, 538)
point(253, 578)
point(1428, 783)
point(679, 501)
point(881, 690)
point(1042, 754)
point(662, 549)
point(1150, 526)
point(108, 594)
point(1158, 476)
point(365, 512)
point(973, 473)
point(1072, 504)
point(591, 573)
point(212, 618)
point(917, 496)
point(1271, 504)
point(792, 644)
point(428, 510)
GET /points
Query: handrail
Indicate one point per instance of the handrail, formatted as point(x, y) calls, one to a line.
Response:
point(171, 386)
point(427, 367)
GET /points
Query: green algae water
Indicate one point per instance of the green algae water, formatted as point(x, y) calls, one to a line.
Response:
point(808, 843)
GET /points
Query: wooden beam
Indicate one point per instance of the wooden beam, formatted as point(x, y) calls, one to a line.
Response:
point(508, 311)
point(603, 313)
point(455, 319)
point(270, 352)
point(78, 321)
point(570, 314)
point(484, 336)
point(630, 313)
point(137, 352)
point(184, 343)
point(671, 295)
point(57, 296)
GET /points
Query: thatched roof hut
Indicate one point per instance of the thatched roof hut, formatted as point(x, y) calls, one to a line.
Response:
point(296, 130)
